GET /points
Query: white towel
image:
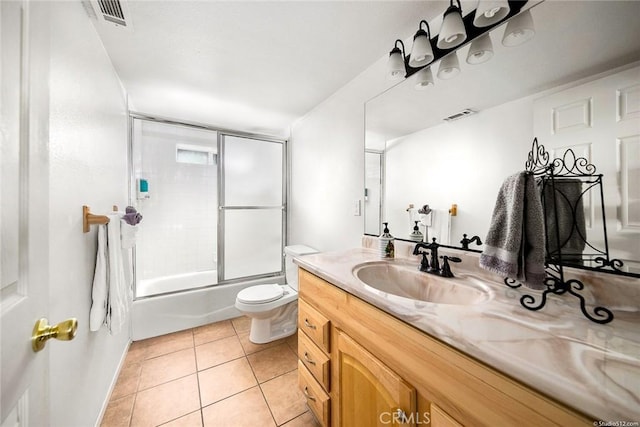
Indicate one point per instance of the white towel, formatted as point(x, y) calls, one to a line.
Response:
point(118, 290)
point(128, 234)
point(111, 292)
point(440, 226)
point(99, 293)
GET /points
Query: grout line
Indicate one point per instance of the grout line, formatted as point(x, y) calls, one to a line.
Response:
point(268, 406)
point(195, 357)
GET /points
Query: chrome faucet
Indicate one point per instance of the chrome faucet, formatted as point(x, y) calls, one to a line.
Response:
point(433, 266)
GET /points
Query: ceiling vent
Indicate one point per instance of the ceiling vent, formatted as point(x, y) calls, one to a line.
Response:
point(461, 114)
point(112, 12)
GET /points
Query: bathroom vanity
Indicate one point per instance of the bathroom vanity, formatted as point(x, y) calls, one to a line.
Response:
point(374, 356)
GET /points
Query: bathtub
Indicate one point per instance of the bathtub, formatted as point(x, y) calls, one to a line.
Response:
point(162, 314)
point(178, 282)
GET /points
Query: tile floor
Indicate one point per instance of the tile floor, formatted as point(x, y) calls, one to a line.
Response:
point(209, 376)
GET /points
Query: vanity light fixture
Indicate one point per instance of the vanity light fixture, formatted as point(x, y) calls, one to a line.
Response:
point(449, 67)
point(519, 30)
point(452, 32)
point(424, 78)
point(421, 52)
point(396, 64)
point(490, 12)
point(455, 30)
point(481, 50)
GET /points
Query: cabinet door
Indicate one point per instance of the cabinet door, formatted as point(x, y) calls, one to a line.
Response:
point(439, 418)
point(369, 393)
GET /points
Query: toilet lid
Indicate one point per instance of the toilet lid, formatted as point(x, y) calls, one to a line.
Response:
point(260, 294)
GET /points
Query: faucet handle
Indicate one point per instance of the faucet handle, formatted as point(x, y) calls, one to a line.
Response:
point(446, 268)
point(424, 264)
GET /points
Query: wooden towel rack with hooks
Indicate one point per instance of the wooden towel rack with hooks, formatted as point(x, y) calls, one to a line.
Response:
point(89, 219)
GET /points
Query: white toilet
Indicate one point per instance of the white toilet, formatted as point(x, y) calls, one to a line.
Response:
point(273, 308)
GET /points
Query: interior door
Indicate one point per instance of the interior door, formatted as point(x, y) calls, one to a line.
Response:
point(252, 207)
point(23, 214)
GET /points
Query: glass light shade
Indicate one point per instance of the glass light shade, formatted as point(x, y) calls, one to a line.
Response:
point(481, 50)
point(490, 12)
point(452, 32)
point(519, 30)
point(395, 64)
point(449, 67)
point(421, 52)
point(424, 78)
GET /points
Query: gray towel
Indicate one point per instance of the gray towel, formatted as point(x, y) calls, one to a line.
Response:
point(514, 246)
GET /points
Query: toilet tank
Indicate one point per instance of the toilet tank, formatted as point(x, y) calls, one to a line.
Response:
point(291, 269)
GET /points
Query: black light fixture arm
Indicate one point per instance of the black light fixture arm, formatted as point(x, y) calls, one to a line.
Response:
point(453, 8)
point(422, 32)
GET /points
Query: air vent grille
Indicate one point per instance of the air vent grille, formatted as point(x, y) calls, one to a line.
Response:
point(112, 11)
point(461, 114)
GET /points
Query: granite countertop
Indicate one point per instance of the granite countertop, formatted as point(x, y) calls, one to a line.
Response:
point(590, 367)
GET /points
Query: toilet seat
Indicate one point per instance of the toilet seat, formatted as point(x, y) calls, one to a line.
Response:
point(260, 294)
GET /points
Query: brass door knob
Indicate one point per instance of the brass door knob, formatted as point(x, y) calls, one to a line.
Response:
point(42, 331)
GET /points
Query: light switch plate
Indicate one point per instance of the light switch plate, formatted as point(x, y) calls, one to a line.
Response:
point(357, 210)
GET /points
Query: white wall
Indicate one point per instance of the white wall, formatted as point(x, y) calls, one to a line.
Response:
point(88, 166)
point(327, 166)
point(462, 162)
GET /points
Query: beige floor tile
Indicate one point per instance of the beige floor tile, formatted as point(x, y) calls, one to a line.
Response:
point(225, 380)
point(127, 380)
point(293, 342)
point(305, 420)
point(217, 352)
point(166, 402)
point(137, 352)
point(247, 409)
point(193, 419)
point(118, 412)
point(273, 362)
point(212, 332)
point(169, 367)
point(250, 347)
point(241, 324)
point(169, 343)
point(284, 397)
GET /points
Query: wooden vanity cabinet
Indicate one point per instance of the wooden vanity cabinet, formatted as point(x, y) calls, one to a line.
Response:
point(379, 365)
point(314, 364)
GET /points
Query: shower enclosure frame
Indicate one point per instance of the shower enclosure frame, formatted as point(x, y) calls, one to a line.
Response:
point(220, 133)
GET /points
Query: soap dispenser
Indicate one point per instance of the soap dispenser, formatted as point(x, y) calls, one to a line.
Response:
point(387, 249)
point(416, 235)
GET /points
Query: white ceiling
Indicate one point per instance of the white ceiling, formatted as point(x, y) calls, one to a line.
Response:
point(254, 66)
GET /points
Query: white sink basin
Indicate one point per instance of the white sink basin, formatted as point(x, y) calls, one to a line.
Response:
point(408, 282)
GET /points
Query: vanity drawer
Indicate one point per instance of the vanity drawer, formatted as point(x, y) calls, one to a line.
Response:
point(314, 359)
point(317, 399)
point(314, 324)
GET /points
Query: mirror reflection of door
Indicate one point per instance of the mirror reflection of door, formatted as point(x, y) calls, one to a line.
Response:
point(374, 171)
point(600, 122)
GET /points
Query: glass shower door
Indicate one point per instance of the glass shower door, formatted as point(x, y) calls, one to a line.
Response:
point(252, 207)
